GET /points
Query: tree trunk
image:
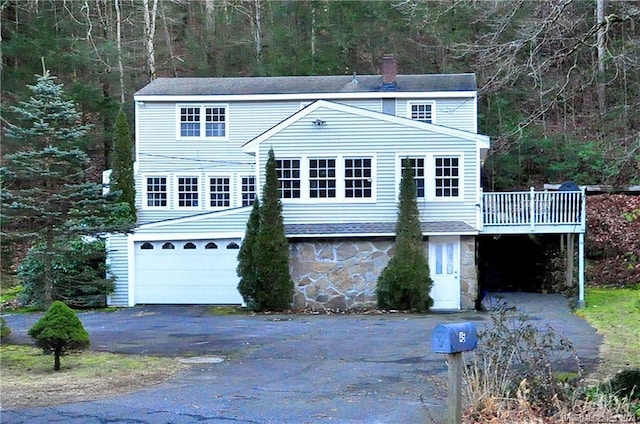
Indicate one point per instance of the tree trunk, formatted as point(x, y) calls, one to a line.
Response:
point(119, 49)
point(602, 101)
point(48, 265)
point(56, 362)
point(149, 34)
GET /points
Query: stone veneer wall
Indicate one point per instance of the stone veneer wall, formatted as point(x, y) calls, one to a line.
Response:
point(343, 274)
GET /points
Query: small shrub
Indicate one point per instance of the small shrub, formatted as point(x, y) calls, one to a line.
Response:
point(515, 362)
point(625, 384)
point(60, 331)
point(5, 331)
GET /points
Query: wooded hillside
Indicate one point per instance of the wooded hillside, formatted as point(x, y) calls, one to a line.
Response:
point(559, 79)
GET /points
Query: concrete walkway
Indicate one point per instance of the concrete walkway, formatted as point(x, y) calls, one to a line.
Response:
point(283, 368)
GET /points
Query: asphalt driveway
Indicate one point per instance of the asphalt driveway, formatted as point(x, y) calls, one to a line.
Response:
point(284, 368)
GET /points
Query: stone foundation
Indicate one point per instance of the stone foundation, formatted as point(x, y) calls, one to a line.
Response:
point(343, 274)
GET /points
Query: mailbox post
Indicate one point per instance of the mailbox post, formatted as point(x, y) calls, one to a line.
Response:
point(453, 339)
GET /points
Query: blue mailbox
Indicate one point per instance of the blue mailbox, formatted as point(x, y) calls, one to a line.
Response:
point(454, 338)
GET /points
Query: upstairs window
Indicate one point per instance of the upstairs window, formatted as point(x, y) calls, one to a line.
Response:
point(248, 190)
point(219, 192)
point(202, 121)
point(418, 174)
point(322, 178)
point(357, 178)
point(447, 177)
point(156, 188)
point(422, 111)
point(187, 192)
point(288, 171)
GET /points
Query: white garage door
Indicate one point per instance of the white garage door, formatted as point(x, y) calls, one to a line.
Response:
point(187, 272)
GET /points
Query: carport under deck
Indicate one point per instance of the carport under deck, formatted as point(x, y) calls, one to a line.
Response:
point(539, 212)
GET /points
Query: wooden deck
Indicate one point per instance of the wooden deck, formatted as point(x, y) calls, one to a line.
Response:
point(533, 212)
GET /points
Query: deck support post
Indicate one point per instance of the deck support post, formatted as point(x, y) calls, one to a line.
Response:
point(570, 249)
point(581, 265)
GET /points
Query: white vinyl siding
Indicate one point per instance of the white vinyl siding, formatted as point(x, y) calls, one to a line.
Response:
point(350, 136)
point(118, 262)
point(448, 112)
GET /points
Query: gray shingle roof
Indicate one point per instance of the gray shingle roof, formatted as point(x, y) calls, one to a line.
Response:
point(304, 85)
point(372, 228)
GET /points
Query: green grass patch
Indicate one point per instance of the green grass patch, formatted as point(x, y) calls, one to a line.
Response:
point(8, 293)
point(28, 361)
point(615, 313)
point(228, 310)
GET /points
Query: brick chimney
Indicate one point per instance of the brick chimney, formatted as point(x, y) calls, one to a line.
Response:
point(389, 69)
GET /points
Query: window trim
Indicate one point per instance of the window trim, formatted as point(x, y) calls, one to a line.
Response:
point(145, 192)
point(176, 194)
point(399, 158)
point(430, 175)
point(207, 190)
point(432, 103)
point(240, 191)
point(340, 179)
point(202, 107)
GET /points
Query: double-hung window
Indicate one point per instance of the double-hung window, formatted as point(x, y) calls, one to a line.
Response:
point(202, 121)
point(417, 164)
point(422, 111)
point(447, 176)
point(248, 189)
point(219, 192)
point(322, 178)
point(187, 192)
point(156, 189)
point(358, 178)
point(288, 171)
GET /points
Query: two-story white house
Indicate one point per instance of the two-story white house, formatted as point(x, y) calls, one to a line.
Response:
point(339, 141)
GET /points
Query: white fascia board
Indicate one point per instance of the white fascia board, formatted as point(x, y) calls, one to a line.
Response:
point(252, 145)
point(192, 218)
point(454, 233)
point(187, 236)
point(308, 96)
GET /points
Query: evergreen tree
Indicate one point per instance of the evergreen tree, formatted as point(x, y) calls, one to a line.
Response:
point(46, 119)
point(246, 263)
point(122, 180)
point(47, 195)
point(405, 283)
point(268, 283)
point(59, 331)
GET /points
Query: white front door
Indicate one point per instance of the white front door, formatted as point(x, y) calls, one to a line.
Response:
point(444, 264)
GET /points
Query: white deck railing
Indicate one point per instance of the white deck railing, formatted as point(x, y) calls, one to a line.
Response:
point(533, 208)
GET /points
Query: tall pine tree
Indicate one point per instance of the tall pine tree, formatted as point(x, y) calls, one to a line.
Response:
point(48, 195)
point(405, 283)
point(266, 283)
point(122, 179)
